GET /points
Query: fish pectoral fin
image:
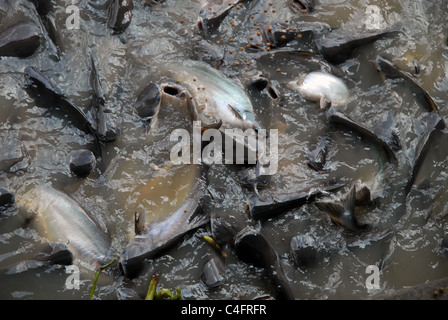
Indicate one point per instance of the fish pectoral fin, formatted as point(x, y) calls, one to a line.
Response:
point(139, 222)
point(324, 103)
point(235, 112)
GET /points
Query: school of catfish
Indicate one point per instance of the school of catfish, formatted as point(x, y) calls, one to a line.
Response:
point(231, 72)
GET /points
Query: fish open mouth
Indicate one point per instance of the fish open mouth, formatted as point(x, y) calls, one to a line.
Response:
point(273, 94)
point(174, 90)
point(171, 90)
point(303, 6)
point(202, 27)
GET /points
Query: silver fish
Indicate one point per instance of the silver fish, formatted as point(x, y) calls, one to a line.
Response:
point(61, 219)
point(326, 88)
point(215, 97)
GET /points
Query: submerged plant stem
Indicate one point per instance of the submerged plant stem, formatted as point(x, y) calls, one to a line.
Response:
point(97, 275)
point(150, 295)
point(214, 244)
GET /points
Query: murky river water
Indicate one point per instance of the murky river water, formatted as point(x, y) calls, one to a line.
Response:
point(406, 229)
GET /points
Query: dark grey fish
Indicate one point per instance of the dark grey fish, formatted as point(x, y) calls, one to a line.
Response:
point(253, 248)
point(106, 128)
point(45, 9)
point(19, 40)
point(387, 131)
point(337, 49)
point(148, 102)
point(47, 95)
point(343, 212)
point(434, 126)
point(253, 177)
point(266, 206)
point(120, 15)
point(213, 12)
point(152, 239)
point(82, 162)
point(213, 272)
point(340, 119)
point(14, 157)
point(308, 251)
point(266, 86)
point(392, 71)
point(317, 157)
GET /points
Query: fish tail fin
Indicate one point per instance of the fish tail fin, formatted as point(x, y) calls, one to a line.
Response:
point(198, 219)
point(334, 209)
point(380, 182)
point(342, 212)
point(349, 201)
point(363, 196)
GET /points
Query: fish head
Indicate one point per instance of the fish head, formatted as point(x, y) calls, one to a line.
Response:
point(148, 102)
point(212, 13)
point(131, 260)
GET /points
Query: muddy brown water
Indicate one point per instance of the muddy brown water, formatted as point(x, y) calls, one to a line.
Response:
point(406, 229)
